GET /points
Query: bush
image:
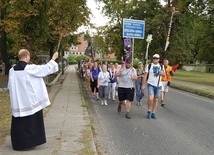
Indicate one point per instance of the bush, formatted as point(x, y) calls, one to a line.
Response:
point(75, 59)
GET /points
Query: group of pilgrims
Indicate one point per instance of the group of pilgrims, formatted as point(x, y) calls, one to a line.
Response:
point(102, 81)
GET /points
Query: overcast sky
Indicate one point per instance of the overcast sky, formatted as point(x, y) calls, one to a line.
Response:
point(98, 19)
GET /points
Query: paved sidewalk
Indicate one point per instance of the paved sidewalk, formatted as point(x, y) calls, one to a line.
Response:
point(65, 121)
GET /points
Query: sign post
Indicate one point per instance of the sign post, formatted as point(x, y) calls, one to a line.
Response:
point(133, 29)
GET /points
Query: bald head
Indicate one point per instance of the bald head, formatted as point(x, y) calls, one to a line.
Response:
point(24, 55)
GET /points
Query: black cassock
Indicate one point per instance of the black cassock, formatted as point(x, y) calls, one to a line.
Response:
point(28, 131)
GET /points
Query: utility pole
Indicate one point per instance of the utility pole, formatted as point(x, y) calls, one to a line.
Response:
point(173, 9)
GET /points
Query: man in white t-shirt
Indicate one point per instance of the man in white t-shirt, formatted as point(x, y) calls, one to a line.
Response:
point(127, 75)
point(154, 71)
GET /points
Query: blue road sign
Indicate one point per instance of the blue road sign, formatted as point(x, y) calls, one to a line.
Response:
point(133, 28)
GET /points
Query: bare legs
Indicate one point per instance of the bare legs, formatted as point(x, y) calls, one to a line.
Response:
point(152, 104)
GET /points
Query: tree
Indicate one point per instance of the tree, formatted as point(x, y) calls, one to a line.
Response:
point(3, 36)
point(37, 24)
point(192, 31)
point(68, 15)
point(99, 42)
point(116, 11)
point(150, 11)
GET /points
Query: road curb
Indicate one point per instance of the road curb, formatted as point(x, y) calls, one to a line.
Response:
point(93, 145)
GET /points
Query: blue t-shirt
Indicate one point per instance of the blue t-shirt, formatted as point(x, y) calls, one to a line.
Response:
point(95, 72)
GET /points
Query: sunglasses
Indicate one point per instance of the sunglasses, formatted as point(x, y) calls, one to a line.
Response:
point(155, 58)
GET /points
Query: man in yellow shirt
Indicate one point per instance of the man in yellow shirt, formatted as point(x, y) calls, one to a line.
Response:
point(165, 80)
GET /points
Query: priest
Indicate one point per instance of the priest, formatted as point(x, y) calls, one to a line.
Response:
point(28, 97)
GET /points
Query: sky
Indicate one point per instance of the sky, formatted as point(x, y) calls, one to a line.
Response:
point(98, 19)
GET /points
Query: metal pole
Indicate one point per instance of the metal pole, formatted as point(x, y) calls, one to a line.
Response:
point(148, 40)
point(169, 31)
point(62, 55)
point(132, 50)
point(147, 51)
point(60, 38)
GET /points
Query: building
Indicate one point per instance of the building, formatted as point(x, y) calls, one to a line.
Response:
point(78, 49)
point(110, 56)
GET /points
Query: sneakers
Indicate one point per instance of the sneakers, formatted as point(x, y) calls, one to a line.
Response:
point(102, 103)
point(153, 116)
point(162, 103)
point(148, 114)
point(119, 108)
point(97, 98)
point(105, 102)
point(139, 103)
point(128, 116)
point(113, 99)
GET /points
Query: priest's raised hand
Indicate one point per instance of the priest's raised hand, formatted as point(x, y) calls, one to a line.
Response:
point(55, 56)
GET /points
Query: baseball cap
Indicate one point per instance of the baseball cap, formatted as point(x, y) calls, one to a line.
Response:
point(156, 56)
point(128, 60)
point(139, 63)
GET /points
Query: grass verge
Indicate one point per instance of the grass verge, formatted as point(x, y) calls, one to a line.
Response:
point(198, 91)
point(87, 133)
point(86, 140)
point(5, 116)
point(195, 77)
point(205, 79)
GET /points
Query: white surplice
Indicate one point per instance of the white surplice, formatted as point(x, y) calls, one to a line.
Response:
point(28, 92)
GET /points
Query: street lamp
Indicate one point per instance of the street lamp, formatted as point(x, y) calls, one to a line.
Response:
point(148, 40)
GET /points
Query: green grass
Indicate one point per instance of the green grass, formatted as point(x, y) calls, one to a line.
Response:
point(86, 105)
point(198, 91)
point(195, 77)
point(86, 140)
point(5, 116)
point(3, 79)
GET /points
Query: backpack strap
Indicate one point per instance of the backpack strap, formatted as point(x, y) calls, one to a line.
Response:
point(149, 67)
point(161, 65)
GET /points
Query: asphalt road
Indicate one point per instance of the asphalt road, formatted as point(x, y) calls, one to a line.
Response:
point(184, 126)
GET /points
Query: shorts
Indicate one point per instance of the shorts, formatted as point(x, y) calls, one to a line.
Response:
point(126, 94)
point(165, 87)
point(154, 91)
